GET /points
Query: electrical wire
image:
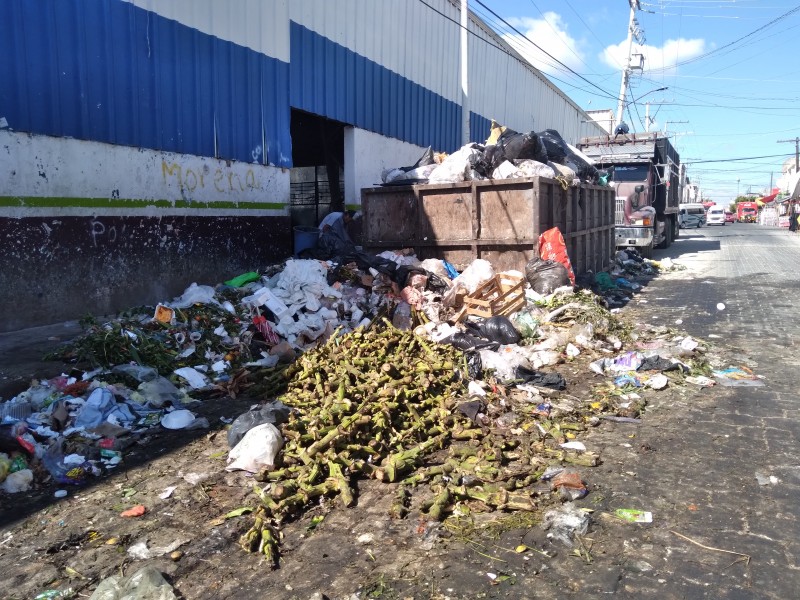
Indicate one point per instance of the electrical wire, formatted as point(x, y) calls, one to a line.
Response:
point(699, 162)
point(523, 36)
point(736, 41)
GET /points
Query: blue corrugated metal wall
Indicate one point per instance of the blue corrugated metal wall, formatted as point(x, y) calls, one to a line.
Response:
point(108, 71)
point(330, 80)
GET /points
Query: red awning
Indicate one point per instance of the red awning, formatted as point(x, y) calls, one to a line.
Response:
point(767, 199)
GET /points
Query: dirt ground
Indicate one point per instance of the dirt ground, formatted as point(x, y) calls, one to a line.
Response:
point(360, 552)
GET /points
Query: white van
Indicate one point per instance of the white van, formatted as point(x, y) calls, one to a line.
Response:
point(692, 215)
point(716, 215)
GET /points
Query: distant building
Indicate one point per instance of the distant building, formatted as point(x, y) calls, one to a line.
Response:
point(604, 118)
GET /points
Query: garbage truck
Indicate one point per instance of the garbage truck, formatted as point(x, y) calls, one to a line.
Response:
point(644, 170)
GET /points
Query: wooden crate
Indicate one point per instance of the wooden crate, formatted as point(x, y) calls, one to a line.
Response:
point(502, 295)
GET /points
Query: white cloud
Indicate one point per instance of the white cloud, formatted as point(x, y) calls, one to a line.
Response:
point(655, 59)
point(550, 34)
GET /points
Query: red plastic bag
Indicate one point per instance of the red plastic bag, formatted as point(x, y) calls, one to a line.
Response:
point(552, 247)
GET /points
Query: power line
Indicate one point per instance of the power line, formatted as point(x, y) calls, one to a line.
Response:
point(698, 162)
point(523, 36)
point(736, 41)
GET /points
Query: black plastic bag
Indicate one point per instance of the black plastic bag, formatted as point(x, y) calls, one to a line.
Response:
point(546, 276)
point(275, 412)
point(493, 156)
point(657, 363)
point(472, 408)
point(522, 146)
point(474, 365)
point(554, 144)
point(500, 329)
point(465, 341)
point(554, 381)
point(583, 169)
point(424, 160)
point(436, 284)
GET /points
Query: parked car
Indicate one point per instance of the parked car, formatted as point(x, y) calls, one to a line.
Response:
point(730, 217)
point(715, 216)
point(687, 220)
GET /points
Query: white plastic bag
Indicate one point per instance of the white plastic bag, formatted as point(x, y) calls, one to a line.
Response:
point(195, 294)
point(456, 167)
point(505, 361)
point(258, 449)
point(477, 273)
point(506, 170)
point(534, 168)
point(18, 482)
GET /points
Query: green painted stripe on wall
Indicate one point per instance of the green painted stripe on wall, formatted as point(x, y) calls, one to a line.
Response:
point(43, 202)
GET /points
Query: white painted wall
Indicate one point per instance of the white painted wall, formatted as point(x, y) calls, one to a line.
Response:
point(367, 154)
point(61, 168)
point(255, 24)
point(406, 36)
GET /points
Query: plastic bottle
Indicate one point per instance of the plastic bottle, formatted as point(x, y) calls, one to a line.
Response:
point(402, 316)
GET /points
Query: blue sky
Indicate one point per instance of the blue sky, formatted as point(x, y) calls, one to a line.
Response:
point(730, 67)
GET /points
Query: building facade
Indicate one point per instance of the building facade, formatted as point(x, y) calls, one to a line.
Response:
point(146, 144)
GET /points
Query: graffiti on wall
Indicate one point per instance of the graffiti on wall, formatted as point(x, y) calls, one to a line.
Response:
point(223, 180)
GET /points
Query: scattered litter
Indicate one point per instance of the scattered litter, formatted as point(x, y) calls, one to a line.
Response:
point(574, 446)
point(566, 522)
point(701, 380)
point(633, 515)
point(146, 584)
point(141, 551)
point(738, 377)
point(136, 511)
point(178, 419)
point(257, 449)
point(167, 492)
point(766, 479)
point(658, 382)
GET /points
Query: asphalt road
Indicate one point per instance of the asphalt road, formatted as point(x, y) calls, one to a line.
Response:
point(705, 448)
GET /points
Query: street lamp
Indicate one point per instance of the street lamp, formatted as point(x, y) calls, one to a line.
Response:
point(661, 89)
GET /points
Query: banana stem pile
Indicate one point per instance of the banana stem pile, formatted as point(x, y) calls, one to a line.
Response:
point(382, 405)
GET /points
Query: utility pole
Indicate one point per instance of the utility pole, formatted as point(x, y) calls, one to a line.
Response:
point(796, 142)
point(633, 32)
point(666, 124)
point(647, 120)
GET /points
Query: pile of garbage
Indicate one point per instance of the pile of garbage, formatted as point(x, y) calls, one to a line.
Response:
point(507, 154)
point(441, 384)
point(629, 273)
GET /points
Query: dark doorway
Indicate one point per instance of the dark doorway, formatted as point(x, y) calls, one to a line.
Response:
point(317, 177)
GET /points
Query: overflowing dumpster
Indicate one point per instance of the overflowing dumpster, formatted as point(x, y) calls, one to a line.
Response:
point(497, 220)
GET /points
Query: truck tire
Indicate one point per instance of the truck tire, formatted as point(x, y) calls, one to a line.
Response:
point(667, 241)
point(646, 251)
point(676, 229)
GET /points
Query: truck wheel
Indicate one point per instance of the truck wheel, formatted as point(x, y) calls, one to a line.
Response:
point(667, 241)
point(646, 251)
point(676, 229)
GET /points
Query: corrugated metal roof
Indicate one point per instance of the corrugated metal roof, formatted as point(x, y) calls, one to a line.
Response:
point(112, 72)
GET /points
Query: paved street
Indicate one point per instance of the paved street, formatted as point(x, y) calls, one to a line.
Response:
point(694, 462)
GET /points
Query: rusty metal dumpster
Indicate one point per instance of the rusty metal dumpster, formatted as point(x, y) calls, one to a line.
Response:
point(498, 220)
